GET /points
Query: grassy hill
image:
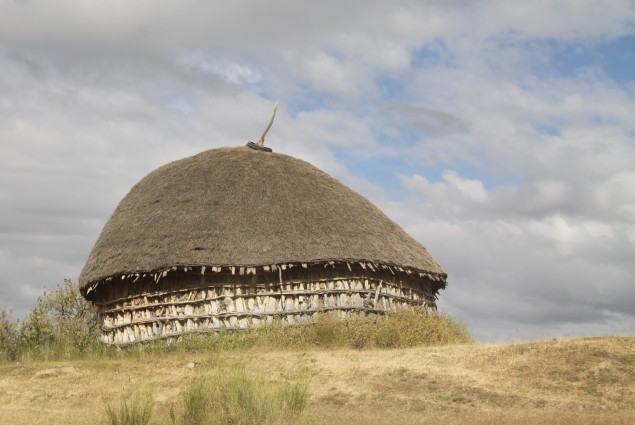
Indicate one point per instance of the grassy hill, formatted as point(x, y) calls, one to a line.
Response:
point(581, 381)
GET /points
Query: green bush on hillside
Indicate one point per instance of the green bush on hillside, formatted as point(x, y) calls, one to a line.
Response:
point(10, 341)
point(62, 324)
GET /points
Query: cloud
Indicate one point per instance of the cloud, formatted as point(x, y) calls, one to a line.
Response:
point(535, 257)
point(153, 27)
point(540, 277)
point(327, 74)
point(422, 120)
point(232, 72)
point(565, 19)
point(457, 119)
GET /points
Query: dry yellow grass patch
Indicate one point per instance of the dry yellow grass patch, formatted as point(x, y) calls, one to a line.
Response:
point(583, 381)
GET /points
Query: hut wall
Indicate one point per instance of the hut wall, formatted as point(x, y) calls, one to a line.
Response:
point(195, 301)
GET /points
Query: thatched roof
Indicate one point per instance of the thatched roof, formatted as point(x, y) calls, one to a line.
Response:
point(242, 207)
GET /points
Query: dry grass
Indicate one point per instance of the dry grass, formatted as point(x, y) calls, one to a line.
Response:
point(583, 381)
point(396, 329)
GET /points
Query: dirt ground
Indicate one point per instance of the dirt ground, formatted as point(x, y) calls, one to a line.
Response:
point(582, 381)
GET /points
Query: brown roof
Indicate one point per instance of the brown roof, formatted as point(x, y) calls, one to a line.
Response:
point(243, 207)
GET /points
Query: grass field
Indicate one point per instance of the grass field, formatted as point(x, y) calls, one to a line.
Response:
point(582, 381)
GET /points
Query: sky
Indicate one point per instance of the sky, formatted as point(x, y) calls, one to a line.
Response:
point(500, 134)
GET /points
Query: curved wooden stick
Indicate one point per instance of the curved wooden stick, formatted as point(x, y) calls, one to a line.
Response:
point(261, 142)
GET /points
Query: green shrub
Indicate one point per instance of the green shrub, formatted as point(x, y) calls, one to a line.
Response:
point(62, 324)
point(10, 340)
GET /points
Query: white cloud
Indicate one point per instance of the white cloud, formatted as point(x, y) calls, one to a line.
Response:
point(328, 74)
point(231, 72)
point(533, 217)
point(618, 194)
point(454, 191)
point(562, 19)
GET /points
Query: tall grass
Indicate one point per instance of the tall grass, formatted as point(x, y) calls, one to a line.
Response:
point(225, 396)
point(234, 397)
point(397, 329)
point(134, 410)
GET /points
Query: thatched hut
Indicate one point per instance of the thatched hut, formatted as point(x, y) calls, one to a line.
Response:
point(235, 237)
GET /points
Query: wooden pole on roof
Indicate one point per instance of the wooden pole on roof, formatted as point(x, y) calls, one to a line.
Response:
point(261, 142)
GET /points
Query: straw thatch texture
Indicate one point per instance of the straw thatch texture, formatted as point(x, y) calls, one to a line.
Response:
point(242, 207)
